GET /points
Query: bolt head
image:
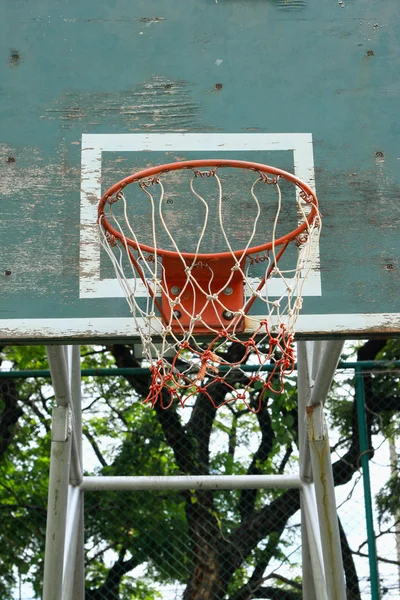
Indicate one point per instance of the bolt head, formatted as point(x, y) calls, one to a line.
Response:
point(228, 315)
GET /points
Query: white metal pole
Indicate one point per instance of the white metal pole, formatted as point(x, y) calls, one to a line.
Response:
point(58, 479)
point(78, 591)
point(304, 394)
point(326, 371)
point(317, 354)
point(192, 482)
point(307, 580)
point(76, 397)
point(326, 504)
point(71, 538)
point(314, 539)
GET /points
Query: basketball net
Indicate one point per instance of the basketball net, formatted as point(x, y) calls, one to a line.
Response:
point(190, 308)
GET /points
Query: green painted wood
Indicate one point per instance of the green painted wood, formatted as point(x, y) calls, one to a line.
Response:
point(265, 66)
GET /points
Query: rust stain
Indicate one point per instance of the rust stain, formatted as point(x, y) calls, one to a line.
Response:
point(15, 58)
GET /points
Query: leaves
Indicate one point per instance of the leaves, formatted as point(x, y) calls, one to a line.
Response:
point(135, 540)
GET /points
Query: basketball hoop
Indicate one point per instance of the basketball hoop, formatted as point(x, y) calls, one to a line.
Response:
point(188, 305)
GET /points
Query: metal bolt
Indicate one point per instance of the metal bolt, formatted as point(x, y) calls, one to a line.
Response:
point(218, 86)
point(370, 53)
point(175, 290)
point(177, 314)
point(7, 272)
point(228, 315)
point(228, 291)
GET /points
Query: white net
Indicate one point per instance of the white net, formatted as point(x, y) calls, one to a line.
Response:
point(189, 307)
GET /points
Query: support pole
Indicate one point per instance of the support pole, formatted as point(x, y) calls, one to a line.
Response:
point(326, 504)
point(192, 482)
point(307, 547)
point(304, 396)
point(78, 591)
point(325, 358)
point(57, 504)
point(309, 507)
point(326, 371)
point(60, 471)
point(71, 539)
point(363, 435)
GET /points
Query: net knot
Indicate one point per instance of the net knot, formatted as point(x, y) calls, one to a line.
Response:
point(250, 343)
point(195, 319)
point(308, 198)
point(266, 179)
point(212, 297)
point(301, 239)
point(298, 303)
point(111, 239)
point(113, 199)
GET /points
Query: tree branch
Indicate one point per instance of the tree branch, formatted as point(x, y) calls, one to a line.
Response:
point(110, 588)
point(380, 558)
point(273, 593)
point(269, 519)
point(248, 497)
point(95, 447)
point(176, 435)
point(352, 583)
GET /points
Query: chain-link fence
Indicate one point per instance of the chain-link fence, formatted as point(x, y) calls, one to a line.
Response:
point(198, 544)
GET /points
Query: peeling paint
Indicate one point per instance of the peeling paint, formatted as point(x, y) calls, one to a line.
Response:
point(159, 103)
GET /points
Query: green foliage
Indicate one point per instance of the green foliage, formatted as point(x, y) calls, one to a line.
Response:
point(151, 529)
point(387, 499)
point(24, 479)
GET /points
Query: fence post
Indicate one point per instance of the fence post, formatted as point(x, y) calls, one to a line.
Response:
point(364, 451)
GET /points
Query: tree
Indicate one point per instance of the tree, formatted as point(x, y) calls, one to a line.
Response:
point(217, 545)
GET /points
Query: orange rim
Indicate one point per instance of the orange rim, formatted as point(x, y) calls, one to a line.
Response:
point(193, 164)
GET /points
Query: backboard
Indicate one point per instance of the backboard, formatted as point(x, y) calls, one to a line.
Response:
point(93, 92)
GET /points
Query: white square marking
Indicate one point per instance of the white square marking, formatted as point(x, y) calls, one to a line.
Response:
point(93, 145)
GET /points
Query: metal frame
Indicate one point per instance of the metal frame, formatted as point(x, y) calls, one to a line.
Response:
point(63, 565)
point(323, 574)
